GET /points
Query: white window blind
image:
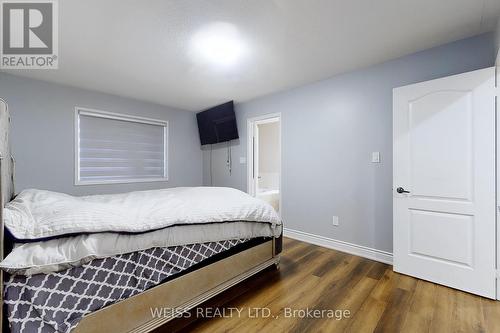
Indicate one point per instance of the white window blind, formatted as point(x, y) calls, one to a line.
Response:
point(115, 148)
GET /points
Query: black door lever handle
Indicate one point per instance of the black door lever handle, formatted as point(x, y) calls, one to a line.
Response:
point(402, 190)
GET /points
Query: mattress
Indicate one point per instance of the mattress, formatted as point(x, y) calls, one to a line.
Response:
point(56, 302)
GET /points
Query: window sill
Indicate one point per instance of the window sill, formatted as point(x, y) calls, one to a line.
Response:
point(120, 181)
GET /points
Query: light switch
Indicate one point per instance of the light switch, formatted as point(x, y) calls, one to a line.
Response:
point(243, 160)
point(335, 221)
point(376, 157)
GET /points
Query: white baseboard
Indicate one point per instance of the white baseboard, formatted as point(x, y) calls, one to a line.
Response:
point(358, 250)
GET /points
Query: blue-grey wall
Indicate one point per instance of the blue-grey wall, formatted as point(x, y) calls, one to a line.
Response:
point(43, 136)
point(330, 129)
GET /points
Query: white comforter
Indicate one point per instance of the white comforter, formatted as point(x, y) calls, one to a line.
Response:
point(36, 214)
point(122, 223)
point(62, 253)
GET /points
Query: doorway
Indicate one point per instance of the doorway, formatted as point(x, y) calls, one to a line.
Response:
point(264, 159)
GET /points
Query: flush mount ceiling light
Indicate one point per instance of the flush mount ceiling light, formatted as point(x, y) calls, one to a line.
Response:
point(218, 44)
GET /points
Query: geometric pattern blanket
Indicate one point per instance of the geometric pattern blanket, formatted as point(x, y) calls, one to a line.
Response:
point(56, 302)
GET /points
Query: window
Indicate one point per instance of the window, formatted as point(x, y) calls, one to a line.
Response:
point(116, 148)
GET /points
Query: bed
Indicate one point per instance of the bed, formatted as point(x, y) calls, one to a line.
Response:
point(119, 290)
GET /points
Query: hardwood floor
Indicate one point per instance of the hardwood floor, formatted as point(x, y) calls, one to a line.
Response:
point(378, 300)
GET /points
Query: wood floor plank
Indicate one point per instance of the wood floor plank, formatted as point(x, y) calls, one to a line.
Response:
point(342, 294)
point(394, 316)
point(313, 298)
point(367, 317)
point(421, 311)
point(378, 270)
point(316, 278)
point(352, 302)
point(491, 314)
point(385, 286)
point(335, 260)
point(443, 319)
point(468, 314)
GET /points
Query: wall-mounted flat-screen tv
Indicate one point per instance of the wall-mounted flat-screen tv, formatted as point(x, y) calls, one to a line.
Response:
point(217, 124)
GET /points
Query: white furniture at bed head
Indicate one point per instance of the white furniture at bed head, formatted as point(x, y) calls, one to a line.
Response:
point(6, 160)
point(6, 180)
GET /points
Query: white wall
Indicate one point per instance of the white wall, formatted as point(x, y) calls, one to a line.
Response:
point(43, 136)
point(269, 159)
point(329, 130)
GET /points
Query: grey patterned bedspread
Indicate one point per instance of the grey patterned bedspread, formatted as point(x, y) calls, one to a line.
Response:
point(56, 302)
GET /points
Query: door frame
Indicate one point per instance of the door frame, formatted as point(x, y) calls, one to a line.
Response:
point(251, 123)
point(497, 190)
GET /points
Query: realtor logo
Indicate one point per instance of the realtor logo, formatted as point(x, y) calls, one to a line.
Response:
point(29, 34)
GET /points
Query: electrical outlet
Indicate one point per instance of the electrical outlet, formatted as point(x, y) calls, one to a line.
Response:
point(335, 221)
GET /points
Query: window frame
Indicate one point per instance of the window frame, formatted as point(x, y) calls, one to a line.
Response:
point(123, 117)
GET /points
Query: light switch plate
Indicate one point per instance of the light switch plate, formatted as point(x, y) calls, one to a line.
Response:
point(335, 221)
point(376, 157)
point(243, 160)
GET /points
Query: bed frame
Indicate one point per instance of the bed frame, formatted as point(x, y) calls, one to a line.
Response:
point(182, 293)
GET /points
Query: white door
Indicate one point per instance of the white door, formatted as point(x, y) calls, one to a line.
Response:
point(444, 157)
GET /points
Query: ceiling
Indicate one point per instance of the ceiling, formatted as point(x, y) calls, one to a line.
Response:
point(143, 49)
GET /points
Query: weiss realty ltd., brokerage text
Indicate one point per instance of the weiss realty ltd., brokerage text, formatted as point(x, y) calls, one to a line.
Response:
point(252, 312)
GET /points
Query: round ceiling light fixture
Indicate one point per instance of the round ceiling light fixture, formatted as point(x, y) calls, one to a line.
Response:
point(218, 44)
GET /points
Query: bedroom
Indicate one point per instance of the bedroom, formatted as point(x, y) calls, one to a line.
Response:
point(124, 210)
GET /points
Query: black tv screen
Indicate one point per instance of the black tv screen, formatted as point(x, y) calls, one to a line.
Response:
point(217, 124)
